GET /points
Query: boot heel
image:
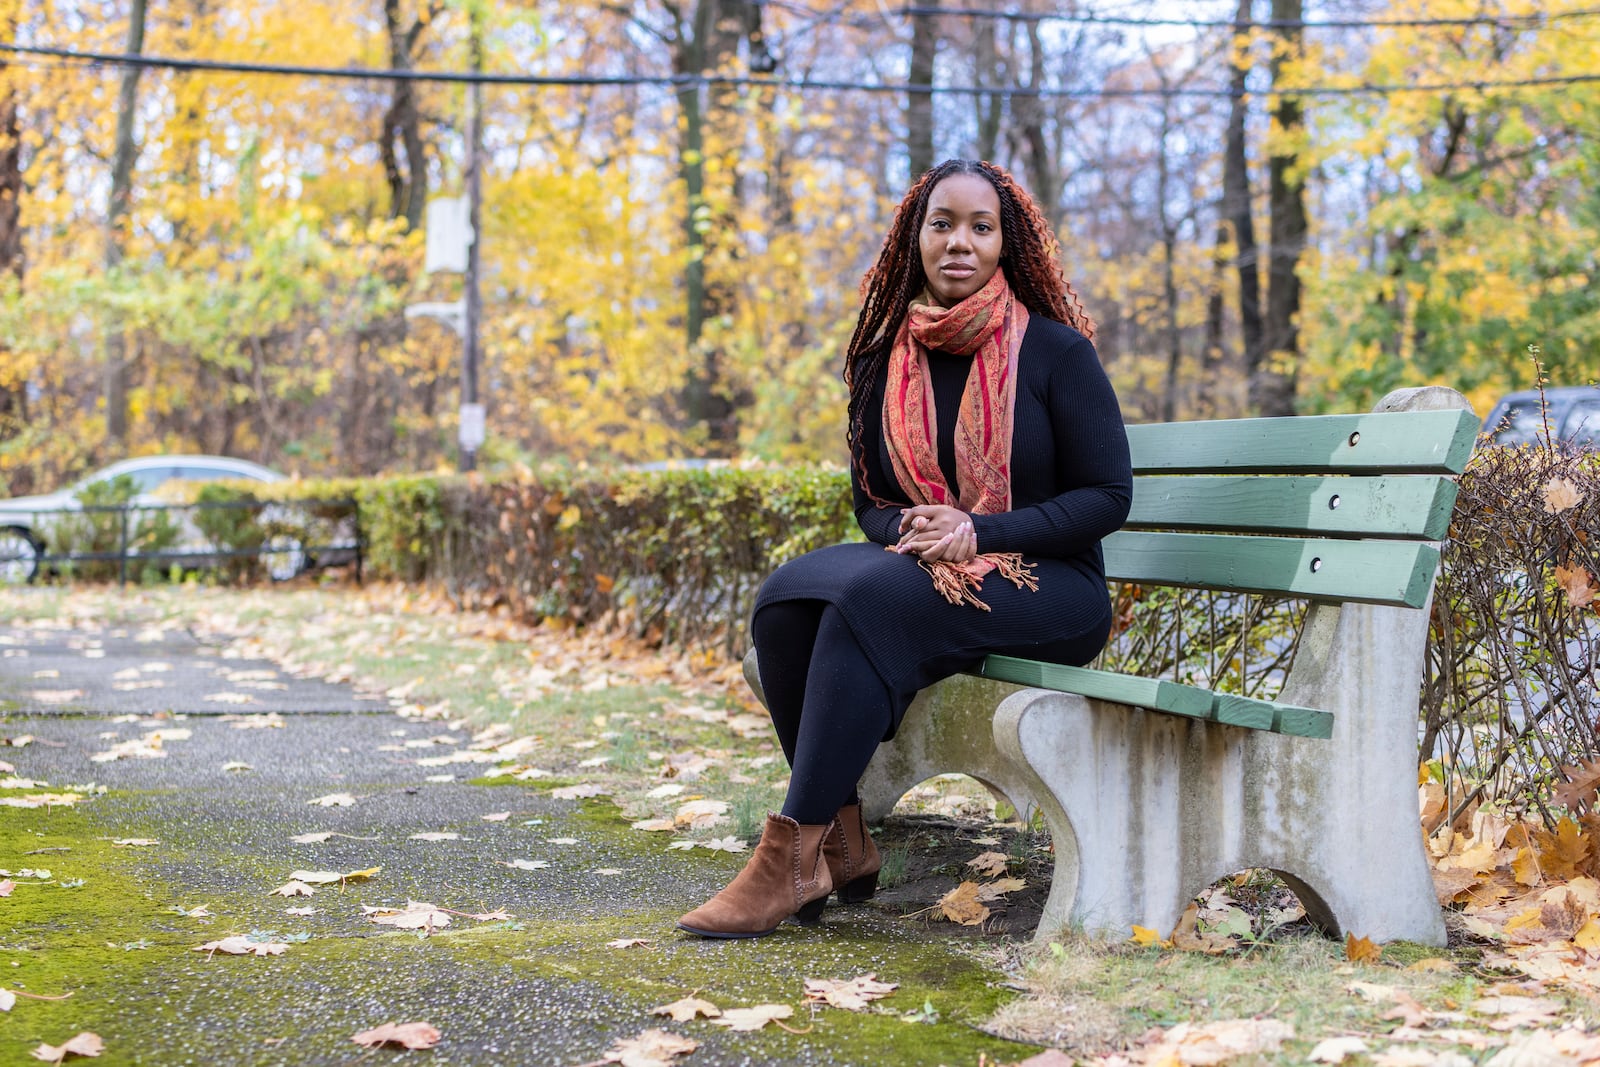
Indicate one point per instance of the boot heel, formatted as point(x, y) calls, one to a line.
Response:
point(854, 892)
point(812, 912)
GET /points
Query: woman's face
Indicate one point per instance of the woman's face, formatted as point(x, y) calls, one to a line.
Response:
point(960, 237)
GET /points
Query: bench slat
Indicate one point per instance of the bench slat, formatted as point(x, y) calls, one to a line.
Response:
point(1396, 573)
point(1420, 442)
point(1398, 506)
point(1152, 693)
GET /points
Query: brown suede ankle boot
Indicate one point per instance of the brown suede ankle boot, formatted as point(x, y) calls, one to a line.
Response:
point(786, 876)
point(852, 856)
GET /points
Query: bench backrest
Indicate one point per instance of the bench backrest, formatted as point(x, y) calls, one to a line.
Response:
point(1330, 507)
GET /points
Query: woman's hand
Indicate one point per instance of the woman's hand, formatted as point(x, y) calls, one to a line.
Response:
point(937, 532)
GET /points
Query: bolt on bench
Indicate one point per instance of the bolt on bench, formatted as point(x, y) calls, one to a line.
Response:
point(1152, 789)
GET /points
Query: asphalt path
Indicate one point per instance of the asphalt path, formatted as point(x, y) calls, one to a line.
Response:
point(246, 749)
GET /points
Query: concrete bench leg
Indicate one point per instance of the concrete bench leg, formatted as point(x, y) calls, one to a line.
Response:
point(1146, 810)
point(948, 729)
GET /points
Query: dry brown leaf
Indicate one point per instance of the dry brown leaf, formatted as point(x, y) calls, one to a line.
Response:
point(579, 791)
point(992, 891)
point(961, 905)
point(239, 945)
point(628, 942)
point(1561, 494)
point(853, 994)
point(416, 915)
point(746, 1019)
point(406, 1035)
point(1188, 937)
point(686, 1009)
point(989, 864)
point(84, 1043)
point(1577, 584)
point(1211, 1043)
point(1335, 1049)
point(293, 889)
point(652, 1048)
point(697, 814)
point(1582, 781)
point(1360, 949)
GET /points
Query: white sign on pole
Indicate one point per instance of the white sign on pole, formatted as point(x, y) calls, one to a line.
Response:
point(449, 234)
point(471, 434)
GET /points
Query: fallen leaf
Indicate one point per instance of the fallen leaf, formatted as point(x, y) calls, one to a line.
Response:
point(671, 789)
point(700, 813)
point(961, 905)
point(627, 942)
point(526, 865)
point(578, 792)
point(41, 800)
point(1577, 584)
point(1582, 780)
point(8, 1000)
point(1560, 494)
point(414, 916)
point(83, 1044)
point(334, 800)
point(743, 1020)
point(989, 864)
point(6, 886)
point(406, 1035)
point(1360, 949)
point(686, 1009)
point(1143, 935)
point(655, 825)
point(725, 844)
point(229, 698)
point(313, 838)
point(299, 912)
point(499, 816)
point(237, 765)
point(1432, 963)
point(1335, 1049)
point(239, 945)
point(652, 1048)
point(443, 835)
point(135, 842)
point(1195, 1045)
point(293, 889)
point(992, 891)
point(852, 995)
point(317, 877)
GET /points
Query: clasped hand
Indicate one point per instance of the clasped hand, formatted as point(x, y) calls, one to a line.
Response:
point(937, 532)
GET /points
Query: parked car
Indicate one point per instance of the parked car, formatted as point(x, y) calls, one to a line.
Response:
point(27, 523)
point(1574, 413)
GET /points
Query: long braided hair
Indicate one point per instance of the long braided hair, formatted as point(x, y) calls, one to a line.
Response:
point(1030, 258)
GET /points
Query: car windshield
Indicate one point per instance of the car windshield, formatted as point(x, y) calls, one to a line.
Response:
point(1520, 425)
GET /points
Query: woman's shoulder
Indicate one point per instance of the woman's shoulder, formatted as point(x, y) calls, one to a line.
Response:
point(1052, 335)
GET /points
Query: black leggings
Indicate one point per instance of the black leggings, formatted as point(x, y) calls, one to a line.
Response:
point(828, 704)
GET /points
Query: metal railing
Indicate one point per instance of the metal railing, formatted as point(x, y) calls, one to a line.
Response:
point(284, 532)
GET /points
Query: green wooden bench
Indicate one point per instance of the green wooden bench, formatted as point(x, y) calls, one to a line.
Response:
point(1153, 789)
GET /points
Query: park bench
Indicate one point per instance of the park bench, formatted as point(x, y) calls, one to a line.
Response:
point(1151, 789)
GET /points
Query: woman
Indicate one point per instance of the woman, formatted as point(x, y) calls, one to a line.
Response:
point(988, 459)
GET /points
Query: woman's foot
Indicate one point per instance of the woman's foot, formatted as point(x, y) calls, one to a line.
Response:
point(852, 855)
point(787, 875)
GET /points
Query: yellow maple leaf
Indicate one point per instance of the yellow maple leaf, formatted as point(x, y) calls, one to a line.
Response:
point(1562, 853)
point(1361, 949)
point(961, 905)
point(1526, 867)
point(1525, 922)
point(1588, 938)
point(1143, 935)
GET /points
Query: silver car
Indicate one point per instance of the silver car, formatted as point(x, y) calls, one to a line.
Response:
point(25, 520)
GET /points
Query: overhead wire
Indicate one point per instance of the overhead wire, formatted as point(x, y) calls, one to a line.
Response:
point(1091, 18)
point(680, 82)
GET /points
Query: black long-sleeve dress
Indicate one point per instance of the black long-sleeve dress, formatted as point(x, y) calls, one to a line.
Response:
point(1071, 485)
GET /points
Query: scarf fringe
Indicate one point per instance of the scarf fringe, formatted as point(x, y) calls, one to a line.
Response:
point(959, 585)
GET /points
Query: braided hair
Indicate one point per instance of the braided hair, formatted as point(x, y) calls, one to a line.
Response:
point(1030, 259)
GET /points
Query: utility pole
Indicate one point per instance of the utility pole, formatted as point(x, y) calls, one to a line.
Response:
point(471, 432)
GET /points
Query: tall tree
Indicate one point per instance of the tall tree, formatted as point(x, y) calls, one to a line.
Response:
point(124, 153)
point(402, 122)
point(1272, 386)
point(13, 393)
point(919, 102)
point(1238, 220)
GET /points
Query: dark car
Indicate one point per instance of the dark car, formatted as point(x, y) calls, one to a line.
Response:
point(1573, 411)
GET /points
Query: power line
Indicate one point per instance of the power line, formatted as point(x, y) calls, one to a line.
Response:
point(1090, 18)
point(680, 82)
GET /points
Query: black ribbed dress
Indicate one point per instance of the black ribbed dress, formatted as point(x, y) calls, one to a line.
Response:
point(1071, 485)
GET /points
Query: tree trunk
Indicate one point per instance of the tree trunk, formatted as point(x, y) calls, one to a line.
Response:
point(13, 396)
point(706, 48)
point(1272, 387)
point(986, 63)
point(1236, 210)
point(919, 104)
point(408, 190)
point(1040, 162)
point(124, 154)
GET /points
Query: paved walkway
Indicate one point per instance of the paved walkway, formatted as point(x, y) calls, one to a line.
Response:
point(246, 751)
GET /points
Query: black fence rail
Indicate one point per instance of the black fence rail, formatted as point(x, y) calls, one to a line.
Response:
point(287, 537)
